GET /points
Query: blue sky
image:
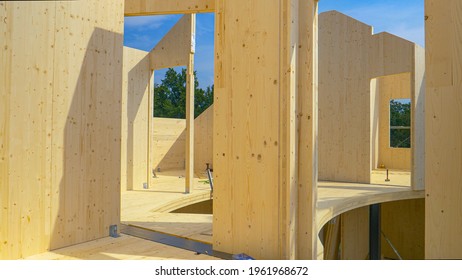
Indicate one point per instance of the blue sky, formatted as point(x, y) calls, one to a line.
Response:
point(403, 18)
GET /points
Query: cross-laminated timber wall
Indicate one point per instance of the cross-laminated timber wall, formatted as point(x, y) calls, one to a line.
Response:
point(443, 152)
point(350, 58)
point(265, 85)
point(60, 108)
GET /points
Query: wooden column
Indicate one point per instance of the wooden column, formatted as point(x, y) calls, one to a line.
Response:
point(443, 130)
point(189, 157)
point(151, 151)
point(264, 128)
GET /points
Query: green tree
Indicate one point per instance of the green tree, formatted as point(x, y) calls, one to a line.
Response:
point(170, 96)
point(400, 116)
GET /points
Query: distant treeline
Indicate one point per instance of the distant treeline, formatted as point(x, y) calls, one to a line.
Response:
point(170, 96)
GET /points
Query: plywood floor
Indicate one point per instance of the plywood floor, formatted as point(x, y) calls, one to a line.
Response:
point(150, 208)
point(396, 177)
point(121, 248)
point(335, 198)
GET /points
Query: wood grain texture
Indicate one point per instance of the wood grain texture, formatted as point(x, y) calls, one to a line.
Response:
point(307, 126)
point(203, 142)
point(246, 129)
point(190, 82)
point(135, 114)
point(392, 87)
point(355, 234)
point(86, 121)
point(60, 128)
point(335, 198)
point(344, 99)
point(390, 54)
point(418, 121)
point(26, 79)
point(403, 223)
point(176, 46)
point(349, 101)
point(256, 158)
point(151, 208)
point(443, 126)
point(169, 140)
point(163, 7)
point(123, 248)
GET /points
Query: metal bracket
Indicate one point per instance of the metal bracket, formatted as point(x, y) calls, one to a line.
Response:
point(113, 231)
point(209, 174)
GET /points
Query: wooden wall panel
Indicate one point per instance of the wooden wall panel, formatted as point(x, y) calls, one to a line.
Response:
point(392, 87)
point(136, 90)
point(355, 234)
point(390, 54)
point(175, 47)
point(203, 142)
point(60, 126)
point(443, 116)
point(162, 7)
point(403, 223)
point(350, 101)
point(344, 99)
point(26, 79)
point(255, 145)
point(86, 120)
point(168, 142)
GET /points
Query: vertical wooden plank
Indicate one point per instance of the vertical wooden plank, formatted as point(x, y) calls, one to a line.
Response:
point(5, 89)
point(443, 126)
point(189, 157)
point(288, 143)
point(151, 150)
point(223, 196)
point(246, 114)
point(418, 120)
point(256, 154)
point(135, 136)
point(307, 130)
point(375, 112)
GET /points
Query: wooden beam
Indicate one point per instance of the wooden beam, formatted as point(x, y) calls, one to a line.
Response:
point(189, 157)
point(307, 117)
point(151, 125)
point(418, 120)
point(163, 7)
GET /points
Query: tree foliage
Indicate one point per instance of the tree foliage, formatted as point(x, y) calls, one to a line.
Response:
point(170, 96)
point(400, 116)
